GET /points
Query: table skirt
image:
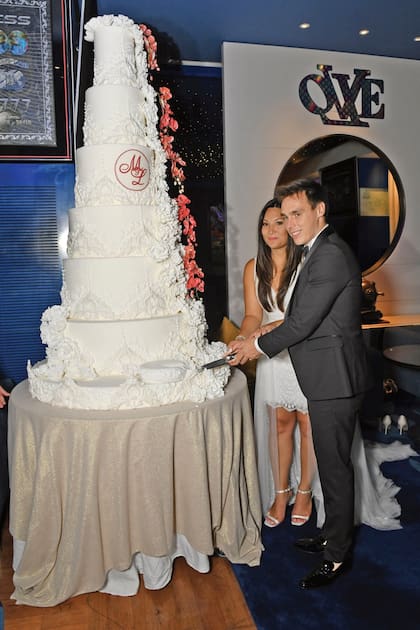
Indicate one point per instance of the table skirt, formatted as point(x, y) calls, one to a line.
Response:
point(96, 493)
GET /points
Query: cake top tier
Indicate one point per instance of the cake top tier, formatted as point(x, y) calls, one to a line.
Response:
point(120, 58)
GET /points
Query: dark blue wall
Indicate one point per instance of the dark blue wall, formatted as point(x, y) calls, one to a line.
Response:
point(34, 199)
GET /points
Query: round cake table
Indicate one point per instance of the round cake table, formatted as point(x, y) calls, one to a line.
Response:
point(99, 497)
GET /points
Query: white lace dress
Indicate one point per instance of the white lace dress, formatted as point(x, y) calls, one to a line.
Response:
point(276, 385)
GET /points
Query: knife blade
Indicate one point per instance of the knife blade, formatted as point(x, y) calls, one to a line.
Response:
point(218, 362)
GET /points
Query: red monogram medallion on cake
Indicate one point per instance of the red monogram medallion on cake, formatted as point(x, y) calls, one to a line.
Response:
point(132, 170)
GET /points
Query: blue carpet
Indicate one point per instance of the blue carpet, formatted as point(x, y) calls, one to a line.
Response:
point(382, 591)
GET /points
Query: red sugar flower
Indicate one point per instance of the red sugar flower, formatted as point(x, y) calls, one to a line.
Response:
point(167, 124)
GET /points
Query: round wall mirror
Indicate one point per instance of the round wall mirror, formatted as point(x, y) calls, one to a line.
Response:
point(366, 203)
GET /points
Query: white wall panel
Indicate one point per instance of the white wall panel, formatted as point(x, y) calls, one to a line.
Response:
point(265, 123)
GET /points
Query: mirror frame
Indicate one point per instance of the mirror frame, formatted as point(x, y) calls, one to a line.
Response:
point(395, 175)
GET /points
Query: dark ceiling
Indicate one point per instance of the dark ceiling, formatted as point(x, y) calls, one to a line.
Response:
point(198, 27)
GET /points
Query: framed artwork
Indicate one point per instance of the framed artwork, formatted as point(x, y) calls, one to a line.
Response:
point(35, 90)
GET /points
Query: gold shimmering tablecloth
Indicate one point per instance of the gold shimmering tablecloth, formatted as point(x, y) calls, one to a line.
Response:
point(90, 489)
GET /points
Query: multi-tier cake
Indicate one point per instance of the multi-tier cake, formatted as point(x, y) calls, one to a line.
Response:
point(127, 333)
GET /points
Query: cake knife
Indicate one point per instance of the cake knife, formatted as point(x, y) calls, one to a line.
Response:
point(218, 362)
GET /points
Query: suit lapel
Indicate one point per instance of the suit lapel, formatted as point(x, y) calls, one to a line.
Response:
point(320, 239)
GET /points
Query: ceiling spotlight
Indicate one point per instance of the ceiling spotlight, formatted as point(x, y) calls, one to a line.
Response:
point(304, 25)
point(417, 38)
point(364, 31)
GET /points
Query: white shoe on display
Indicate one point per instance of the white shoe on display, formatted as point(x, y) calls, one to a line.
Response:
point(386, 423)
point(402, 424)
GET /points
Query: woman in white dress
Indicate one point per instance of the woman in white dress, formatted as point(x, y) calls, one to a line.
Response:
point(286, 461)
point(280, 406)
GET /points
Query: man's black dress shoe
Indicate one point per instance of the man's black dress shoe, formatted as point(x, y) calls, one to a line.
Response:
point(324, 574)
point(311, 545)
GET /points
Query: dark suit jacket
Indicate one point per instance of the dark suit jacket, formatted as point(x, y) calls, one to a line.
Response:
point(322, 324)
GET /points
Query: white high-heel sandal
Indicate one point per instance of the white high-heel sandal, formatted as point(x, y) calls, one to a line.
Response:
point(298, 519)
point(272, 521)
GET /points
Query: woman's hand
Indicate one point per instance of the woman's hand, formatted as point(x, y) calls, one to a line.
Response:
point(230, 349)
point(263, 330)
point(269, 327)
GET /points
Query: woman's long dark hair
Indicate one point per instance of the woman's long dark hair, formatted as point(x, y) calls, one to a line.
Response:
point(264, 268)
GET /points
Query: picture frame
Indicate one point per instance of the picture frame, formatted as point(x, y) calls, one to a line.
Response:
point(35, 80)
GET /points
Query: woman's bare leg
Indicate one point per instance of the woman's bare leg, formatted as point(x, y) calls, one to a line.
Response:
point(285, 423)
point(303, 503)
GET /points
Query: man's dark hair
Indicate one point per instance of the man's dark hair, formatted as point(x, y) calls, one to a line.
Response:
point(315, 193)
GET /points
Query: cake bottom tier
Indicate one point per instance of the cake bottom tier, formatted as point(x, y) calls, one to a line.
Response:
point(125, 365)
point(127, 393)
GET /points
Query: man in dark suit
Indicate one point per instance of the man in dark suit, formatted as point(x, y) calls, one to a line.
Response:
point(322, 331)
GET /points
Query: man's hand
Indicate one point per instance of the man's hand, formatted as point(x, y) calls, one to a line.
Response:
point(244, 351)
point(3, 394)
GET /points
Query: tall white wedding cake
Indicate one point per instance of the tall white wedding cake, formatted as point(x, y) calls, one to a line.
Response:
point(127, 333)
